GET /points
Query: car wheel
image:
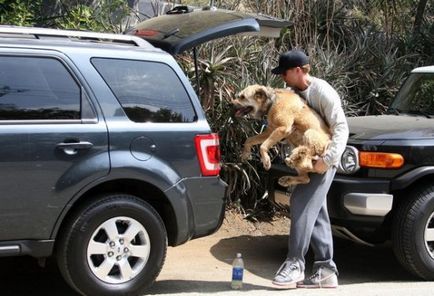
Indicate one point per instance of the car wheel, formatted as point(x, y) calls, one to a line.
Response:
point(113, 246)
point(413, 233)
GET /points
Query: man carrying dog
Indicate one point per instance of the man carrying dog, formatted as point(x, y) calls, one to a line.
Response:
point(310, 223)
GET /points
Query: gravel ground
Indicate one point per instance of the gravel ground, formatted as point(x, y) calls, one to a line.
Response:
point(203, 266)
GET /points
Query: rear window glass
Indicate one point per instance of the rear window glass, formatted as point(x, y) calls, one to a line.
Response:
point(147, 91)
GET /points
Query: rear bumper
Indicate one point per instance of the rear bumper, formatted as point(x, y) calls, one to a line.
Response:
point(207, 197)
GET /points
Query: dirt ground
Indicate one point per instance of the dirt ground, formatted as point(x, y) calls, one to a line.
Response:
point(234, 225)
point(203, 267)
point(209, 259)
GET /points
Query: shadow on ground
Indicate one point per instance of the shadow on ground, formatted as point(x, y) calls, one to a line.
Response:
point(22, 276)
point(262, 256)
point(356, 263)
point(183, 286)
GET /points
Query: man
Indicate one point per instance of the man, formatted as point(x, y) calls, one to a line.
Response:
point(310, 223)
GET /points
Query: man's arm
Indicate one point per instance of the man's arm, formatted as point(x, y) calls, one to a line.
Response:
point(335, 118)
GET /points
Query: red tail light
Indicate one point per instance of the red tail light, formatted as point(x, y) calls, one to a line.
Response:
point(208, 152)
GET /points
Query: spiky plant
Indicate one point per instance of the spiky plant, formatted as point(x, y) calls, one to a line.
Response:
point(355, 45)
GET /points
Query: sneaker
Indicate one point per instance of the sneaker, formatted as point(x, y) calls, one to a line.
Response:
point(288, 275)
point(322, 278)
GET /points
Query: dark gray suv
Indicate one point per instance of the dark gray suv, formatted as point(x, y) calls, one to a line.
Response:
point(106, 157)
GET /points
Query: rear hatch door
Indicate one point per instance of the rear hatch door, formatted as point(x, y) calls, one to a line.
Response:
point(183, 29)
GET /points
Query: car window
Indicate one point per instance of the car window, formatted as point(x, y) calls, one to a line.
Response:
point(147, 91)
point(36, 88)
point(416, 94)
point(424, 95)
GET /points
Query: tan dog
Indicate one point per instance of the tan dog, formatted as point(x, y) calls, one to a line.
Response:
point(290, 118)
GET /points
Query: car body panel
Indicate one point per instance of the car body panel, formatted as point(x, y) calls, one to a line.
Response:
point(391, 127)
point(37, 177)
point(159, 154)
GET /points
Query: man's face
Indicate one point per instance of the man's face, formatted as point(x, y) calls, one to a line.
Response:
point(291, 76)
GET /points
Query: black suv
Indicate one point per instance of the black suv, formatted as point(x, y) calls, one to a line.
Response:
point(384, 188)
point(106, 157)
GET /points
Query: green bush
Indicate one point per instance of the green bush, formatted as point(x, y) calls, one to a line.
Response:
point(365, 49)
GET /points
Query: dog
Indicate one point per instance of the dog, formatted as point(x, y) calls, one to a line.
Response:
point(288, 118)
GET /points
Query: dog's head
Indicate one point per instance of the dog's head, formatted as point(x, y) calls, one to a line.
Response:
point(301, 158)
point(254, 100)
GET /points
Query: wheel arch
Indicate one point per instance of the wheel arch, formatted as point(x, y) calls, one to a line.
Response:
point(144, 190)
point(402, 193)
point(414, 176)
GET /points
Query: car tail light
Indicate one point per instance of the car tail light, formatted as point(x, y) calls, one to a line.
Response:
point(381, 160)
point(208, 151)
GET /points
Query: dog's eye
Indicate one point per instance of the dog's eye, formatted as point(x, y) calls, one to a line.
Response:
point(242, 97)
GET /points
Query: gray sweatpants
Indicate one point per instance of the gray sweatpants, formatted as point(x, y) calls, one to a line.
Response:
point(310, 222)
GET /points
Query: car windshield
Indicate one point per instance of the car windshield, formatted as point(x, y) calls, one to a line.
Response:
point(416, 96)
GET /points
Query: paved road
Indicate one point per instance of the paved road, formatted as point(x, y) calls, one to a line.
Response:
point(203, 267)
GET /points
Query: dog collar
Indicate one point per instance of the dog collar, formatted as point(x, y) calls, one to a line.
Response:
point(272, 101)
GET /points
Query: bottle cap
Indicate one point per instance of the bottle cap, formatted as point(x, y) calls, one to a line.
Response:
point(238, 255)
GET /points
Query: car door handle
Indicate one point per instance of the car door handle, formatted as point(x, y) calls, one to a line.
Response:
point(73, 147)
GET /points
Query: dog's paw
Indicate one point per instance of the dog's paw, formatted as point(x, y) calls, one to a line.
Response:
point(245, 156)
point(266, 162)
point(288, 162)
point(286, 181)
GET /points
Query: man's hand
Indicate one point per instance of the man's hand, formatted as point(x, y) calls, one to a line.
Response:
point(319, 165)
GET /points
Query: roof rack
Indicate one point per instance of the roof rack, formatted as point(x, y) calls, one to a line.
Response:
point(39, 33)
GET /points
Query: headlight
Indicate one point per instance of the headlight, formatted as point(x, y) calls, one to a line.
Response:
point(349, 161)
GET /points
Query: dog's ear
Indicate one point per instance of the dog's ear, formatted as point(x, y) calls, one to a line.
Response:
point(264, 93)
point(318, 149)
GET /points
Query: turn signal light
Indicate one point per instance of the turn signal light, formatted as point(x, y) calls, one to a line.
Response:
point(381, 160)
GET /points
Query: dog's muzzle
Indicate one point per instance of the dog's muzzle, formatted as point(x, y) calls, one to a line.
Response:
point(242, 111)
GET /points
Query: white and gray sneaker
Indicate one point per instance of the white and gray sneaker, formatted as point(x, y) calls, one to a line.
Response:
point(288, 275)
point(322, 278)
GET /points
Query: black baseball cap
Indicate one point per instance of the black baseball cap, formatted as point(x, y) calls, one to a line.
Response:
point(291, 59)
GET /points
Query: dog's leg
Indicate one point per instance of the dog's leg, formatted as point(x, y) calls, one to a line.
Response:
point(277, 135)
point(287, 181)
point(250, 142)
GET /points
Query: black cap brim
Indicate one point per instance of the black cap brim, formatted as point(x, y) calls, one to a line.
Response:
point(278, 70)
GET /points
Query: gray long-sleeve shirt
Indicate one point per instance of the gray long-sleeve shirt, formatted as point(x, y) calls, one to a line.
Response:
point(324, 99)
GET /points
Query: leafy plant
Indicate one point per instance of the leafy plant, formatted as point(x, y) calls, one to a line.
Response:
point(363, 48)
point(19, 13)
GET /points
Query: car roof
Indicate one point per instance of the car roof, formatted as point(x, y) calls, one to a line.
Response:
point(426, 69)
point(52, 38)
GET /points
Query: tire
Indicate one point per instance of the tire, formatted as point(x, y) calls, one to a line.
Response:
point(113, 246)
point(413, 233)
